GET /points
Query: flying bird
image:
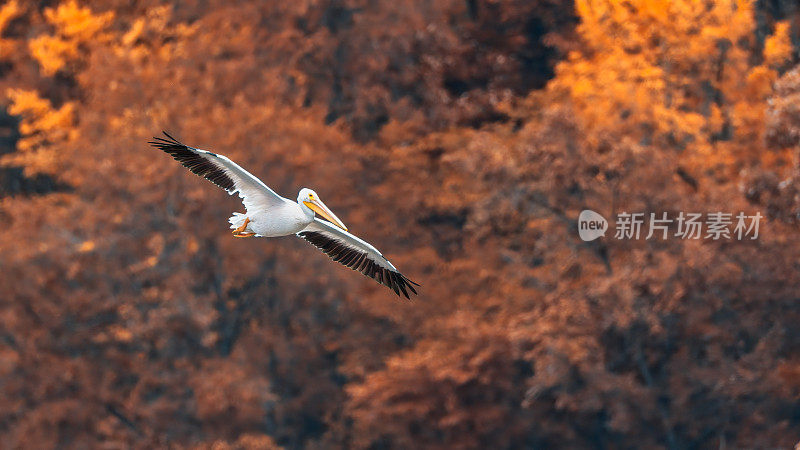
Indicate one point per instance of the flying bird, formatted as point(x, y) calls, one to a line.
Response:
point(270, 215)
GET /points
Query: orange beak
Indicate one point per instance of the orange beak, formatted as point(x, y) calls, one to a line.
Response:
point(318, 207)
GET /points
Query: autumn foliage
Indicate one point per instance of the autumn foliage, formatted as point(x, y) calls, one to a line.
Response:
point(463, 139)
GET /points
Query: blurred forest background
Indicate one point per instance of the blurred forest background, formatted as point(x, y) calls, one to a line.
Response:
point(461, 137)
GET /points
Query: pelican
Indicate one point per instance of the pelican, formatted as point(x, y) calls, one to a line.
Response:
point(270, 215)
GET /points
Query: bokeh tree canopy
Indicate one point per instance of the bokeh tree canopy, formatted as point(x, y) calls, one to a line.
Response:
point(463, 138)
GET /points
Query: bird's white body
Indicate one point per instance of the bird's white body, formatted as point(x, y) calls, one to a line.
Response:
point(270, 215)
point(278, 220)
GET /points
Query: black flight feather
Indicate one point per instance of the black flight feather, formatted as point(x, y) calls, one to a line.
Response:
point(360, 261)
point(195, 161)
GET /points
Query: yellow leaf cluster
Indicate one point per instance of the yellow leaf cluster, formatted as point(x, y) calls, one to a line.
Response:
point(778, 47)
point(75, 27)
point(41, 127)
point(154, 35)
point(7, 13)
point(674, 73)
point(52, 53)
point(75, 22)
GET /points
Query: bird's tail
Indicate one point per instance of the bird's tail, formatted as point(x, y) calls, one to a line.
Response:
point(237, 219)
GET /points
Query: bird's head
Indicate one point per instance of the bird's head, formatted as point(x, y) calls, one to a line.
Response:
point(309, 199)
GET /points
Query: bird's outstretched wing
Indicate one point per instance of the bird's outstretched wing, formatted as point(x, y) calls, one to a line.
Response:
point(356, 254)
point(221, 171)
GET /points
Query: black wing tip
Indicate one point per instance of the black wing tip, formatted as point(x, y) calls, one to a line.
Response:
point(193, 159)
point(410, 284)
point(360, 262)
point(402, 282)
point(160, 142)
point(398, 283)
point(395, 281)
point(170, 137)
point(409, 280)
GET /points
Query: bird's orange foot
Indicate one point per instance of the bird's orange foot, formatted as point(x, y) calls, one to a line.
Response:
point(239, 232)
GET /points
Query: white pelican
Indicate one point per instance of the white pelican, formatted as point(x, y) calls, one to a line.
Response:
point(270, 215)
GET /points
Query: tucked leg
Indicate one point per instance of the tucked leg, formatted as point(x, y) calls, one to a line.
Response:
point(239, 232)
